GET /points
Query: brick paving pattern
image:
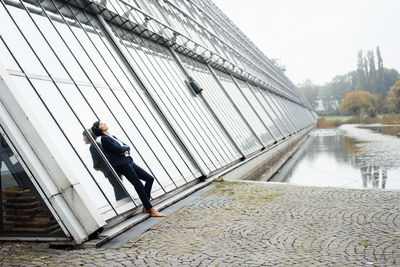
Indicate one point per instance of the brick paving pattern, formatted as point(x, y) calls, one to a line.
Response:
point(252, 224)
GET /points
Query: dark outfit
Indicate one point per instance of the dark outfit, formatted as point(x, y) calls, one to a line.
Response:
point(124, 164)
point(98, 163)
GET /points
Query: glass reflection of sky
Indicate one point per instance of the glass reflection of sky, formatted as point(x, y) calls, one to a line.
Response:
point(339, 158)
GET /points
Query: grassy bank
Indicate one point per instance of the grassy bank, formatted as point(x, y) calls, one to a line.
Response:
point(335, 121)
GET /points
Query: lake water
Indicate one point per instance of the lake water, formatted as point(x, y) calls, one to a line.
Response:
point(352, 156)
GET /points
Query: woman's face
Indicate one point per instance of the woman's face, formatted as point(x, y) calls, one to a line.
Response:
point(103, 126)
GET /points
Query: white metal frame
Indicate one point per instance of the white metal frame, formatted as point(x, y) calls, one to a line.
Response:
point(59, 186)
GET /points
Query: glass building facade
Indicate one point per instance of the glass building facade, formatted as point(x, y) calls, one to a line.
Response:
point(67, 64)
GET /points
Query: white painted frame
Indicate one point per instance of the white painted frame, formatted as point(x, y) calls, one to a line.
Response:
point(48, 170)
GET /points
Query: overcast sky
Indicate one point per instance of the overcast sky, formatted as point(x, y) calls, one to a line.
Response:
point(319, 39)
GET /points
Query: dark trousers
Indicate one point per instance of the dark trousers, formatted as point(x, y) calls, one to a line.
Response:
point(134, 174)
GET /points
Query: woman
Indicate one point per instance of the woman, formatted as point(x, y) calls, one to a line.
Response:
point(120, 159)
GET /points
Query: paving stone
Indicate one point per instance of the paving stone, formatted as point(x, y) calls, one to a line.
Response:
point(251, 224)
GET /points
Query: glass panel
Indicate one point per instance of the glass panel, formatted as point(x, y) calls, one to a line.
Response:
point(297, 111)
point(223, 107)
point(249, 92)
point(255, 105)
point(285, 104)
point(260, 94)
point(203, 77)
point(6, 59)
point(291, 112)
point(303, 116)
point(193, 108)
point(15, 41)
point(23, 212)
point(277, 110)
point(39, 43)
point(283, 111)
point(274, 106)
point(244, 106)
point(150, 8)
point(126, 10)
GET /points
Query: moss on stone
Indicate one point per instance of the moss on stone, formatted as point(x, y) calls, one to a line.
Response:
point(242, 191)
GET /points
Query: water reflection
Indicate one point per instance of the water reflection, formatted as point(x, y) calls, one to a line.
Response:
point(349, 156)
point(372, 176)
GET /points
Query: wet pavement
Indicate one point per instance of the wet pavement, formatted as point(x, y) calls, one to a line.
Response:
point(251, 224)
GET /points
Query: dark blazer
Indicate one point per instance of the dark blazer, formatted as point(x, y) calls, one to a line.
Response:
point(97, 160)
point(115, 151)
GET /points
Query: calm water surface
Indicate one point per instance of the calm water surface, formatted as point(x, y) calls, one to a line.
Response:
point(350, 156)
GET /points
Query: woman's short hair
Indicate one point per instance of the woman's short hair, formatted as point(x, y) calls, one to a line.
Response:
point(96, 130)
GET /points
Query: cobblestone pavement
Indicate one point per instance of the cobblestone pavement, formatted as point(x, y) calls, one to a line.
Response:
point(252, 224)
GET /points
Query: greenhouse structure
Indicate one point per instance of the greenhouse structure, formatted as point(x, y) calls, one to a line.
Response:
point(174, 79)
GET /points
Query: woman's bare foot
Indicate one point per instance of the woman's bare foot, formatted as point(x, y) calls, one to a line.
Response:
point(155, 213)
point(145, 211)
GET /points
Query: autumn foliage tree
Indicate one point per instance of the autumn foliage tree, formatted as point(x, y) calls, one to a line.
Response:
point(393, 97)
point(359, 103)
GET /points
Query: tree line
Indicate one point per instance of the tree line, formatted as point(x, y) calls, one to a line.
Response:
point(370, 83)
